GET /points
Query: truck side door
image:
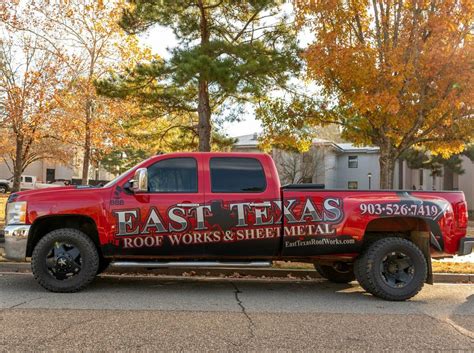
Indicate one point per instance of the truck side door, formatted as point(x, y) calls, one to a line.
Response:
point(161, 221)
point(241, 207)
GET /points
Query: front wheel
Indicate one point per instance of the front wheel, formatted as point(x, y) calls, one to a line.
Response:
point(392, 269)
point(338, 272)
point(65, 260)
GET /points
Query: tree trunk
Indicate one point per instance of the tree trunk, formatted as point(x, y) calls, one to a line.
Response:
point(204, 107)
point(387, 166)
point(204, 113)
point(17, 164)
point(87, 144)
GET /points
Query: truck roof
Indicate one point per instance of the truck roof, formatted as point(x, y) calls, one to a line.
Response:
point(243, 154)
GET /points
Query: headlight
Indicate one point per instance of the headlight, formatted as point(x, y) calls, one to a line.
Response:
point(15, 213)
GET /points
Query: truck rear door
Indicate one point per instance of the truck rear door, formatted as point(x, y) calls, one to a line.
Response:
point(242, 203)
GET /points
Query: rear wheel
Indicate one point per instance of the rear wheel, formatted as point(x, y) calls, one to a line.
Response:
point(339, 272)
point(392, 269)
point(65, 260)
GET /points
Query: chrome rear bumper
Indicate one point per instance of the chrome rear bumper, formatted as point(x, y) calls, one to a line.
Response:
point(466, 245)
point(16, 239)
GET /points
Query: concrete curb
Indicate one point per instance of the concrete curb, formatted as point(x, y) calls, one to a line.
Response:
point(24, 267)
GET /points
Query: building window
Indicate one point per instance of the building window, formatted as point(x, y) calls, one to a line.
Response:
point(421, 178)
point(50, 175)
point(353, 162)
point(352, 185)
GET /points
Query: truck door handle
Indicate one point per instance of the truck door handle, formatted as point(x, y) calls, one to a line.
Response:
point(187, 205)
point(262, 204)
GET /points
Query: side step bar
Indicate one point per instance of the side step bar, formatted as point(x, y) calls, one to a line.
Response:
point(175, 264)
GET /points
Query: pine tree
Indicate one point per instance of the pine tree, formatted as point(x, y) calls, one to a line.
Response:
point(230, 53)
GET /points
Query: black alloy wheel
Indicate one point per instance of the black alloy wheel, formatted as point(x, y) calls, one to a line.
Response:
point(64, 261)
point(397, 269)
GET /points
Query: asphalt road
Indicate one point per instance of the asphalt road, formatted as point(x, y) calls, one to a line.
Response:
point(149, 314)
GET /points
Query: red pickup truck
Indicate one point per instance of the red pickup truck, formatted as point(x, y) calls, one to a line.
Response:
point(228, 209)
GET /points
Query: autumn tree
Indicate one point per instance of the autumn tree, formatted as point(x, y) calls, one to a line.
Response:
point(394, 74)
point(229, 53)
point(86, 36)
point(106, 131)
point(28, 126)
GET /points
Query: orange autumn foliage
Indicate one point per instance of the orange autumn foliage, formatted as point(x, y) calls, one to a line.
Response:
point(400, 71)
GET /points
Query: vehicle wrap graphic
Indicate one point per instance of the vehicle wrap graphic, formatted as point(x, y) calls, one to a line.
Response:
point(436, 234)
point(298, 226)
point(218, 222)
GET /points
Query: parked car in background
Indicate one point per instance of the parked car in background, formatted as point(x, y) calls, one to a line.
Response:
point(4, 186)
point(30, 182)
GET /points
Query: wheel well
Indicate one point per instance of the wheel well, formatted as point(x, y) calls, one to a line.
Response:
point(405, 227)
point(44, 225)
point(416, 230)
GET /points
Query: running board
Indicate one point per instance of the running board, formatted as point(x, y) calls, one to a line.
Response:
point(175, 264)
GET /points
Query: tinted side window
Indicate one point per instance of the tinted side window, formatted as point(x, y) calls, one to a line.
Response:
point(28, 179)
point(173, 175)
point(237, 175)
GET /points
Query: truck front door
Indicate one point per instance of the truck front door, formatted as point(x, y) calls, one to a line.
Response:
point(161, 221)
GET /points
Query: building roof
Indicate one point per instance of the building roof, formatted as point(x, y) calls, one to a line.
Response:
point(247, 140)
point(349, 147)
point(251, 140)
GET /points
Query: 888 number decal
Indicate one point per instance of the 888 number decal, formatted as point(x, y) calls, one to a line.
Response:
point(397, 209)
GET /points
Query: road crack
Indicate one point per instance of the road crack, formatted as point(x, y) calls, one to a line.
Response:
point(251, 324)
point(63, 331)
point(23, 303)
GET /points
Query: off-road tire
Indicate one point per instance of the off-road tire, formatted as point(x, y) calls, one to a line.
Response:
point(369, 274)
point(359, 268)
point(89, 257)
point(332, 274)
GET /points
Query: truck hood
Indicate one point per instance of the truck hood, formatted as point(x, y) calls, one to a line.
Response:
point(25, 195)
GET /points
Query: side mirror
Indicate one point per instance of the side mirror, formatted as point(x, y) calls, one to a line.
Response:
point(140, 180)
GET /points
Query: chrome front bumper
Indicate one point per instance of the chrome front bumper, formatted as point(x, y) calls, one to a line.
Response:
point(16, 239)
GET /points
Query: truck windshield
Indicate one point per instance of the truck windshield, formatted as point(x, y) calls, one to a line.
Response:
point(114, 181)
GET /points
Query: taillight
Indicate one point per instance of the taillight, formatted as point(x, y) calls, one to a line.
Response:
point(461, 214)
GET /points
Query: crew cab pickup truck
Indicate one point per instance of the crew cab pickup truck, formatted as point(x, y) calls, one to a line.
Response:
point(228, 209)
